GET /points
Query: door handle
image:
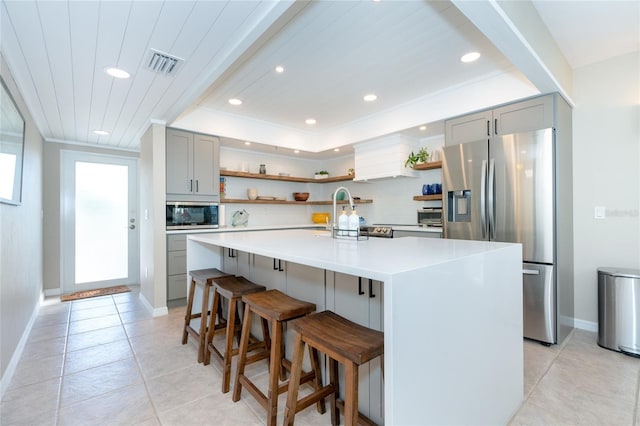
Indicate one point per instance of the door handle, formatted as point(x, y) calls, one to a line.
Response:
point(190, 185)
point(530, 272)
point(360, 292)
point(483, 199)
point(280, 268)
point(492, 213)
point(371, 288)
point(197, 185)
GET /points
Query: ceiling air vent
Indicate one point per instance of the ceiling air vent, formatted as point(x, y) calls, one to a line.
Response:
point(163, 63)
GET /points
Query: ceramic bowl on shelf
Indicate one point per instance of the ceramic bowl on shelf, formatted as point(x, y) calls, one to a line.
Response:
point(301, 196)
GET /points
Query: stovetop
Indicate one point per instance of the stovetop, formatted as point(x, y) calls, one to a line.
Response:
point(377, 231)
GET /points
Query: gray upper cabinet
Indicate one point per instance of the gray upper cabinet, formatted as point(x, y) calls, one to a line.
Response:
point(532, 114)
point(193, 172)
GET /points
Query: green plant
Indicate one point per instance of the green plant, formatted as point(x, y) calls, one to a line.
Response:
point(322, 172)
point(421, 157)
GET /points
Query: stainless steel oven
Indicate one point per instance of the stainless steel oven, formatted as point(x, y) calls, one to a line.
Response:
point(430, 216)
point(192, 215)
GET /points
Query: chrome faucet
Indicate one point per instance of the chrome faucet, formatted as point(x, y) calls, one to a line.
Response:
point(335, 197)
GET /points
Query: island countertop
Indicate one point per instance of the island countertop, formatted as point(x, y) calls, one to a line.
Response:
point(451, 312)
point(375, 258)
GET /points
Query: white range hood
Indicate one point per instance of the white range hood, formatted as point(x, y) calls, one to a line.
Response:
point(384, 157)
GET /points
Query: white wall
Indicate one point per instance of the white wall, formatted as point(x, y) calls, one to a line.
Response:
point(606, 164)
point(21, 246)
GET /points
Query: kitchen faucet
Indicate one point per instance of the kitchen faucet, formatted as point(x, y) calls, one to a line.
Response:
point(335, 197)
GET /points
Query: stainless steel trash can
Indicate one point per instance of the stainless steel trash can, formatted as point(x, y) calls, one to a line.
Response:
point(619, 310)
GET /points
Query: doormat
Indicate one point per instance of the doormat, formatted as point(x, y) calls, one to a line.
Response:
point(94, 293)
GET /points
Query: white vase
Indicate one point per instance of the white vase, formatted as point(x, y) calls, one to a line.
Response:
point(252, 193)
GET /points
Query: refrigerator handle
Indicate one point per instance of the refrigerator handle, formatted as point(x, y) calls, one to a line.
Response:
point(483, 201)
point(491, 209)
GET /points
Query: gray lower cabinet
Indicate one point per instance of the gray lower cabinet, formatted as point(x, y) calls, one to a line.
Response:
point(176, 266)
point(236, 262)
point(361, 301)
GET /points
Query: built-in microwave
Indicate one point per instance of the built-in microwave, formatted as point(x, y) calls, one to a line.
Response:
point(430, 216)
point(192, 215)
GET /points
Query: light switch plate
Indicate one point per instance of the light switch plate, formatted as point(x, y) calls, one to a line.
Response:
point(599, 212)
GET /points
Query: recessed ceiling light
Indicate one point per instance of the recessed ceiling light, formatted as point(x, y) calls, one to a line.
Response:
point(423, 128)
point(336, 149)
point(470, 57)
point(310, 121)
point(247, 143)
point(101, 132)
point(235, 101)
point(296, 151)
point(370, 97)
point(116, 72)
point(279, 69)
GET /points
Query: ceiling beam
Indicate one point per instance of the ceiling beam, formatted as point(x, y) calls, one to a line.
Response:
point(516, 29)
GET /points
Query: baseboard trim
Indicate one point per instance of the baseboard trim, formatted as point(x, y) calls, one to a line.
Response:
point(17, 354)
point(155, 312)
point(586, 325)
point(50, 292)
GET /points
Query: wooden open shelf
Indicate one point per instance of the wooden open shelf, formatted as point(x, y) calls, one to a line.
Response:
point(313, 203)
point(436, 197)
point(428, 166)
point(285, 178)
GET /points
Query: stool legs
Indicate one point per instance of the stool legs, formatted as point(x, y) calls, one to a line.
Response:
point(203, 322)
point(242, 352)
point(351, 394)
point(187, 318)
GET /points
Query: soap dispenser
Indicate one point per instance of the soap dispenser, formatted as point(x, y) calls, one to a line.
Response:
point(354, 223)
point(343, 223)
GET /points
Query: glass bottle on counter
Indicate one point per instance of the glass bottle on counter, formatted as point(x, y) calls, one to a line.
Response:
point(354, 223)
point(343, 223)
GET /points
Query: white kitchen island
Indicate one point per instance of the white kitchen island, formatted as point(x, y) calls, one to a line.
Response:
point(452, 315)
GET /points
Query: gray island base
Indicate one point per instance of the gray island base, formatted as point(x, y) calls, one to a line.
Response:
point(451, 312)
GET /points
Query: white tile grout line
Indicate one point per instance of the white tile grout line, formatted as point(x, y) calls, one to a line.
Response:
point(636, 412)
point(64, 360)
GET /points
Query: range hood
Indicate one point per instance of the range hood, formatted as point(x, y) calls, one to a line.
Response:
point(384, 157)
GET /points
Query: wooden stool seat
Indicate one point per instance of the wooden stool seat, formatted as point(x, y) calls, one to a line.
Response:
point(342, 341)
point(274, 308)
point(232, 289)
point(202, 278)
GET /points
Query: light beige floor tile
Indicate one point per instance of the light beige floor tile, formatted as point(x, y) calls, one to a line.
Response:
point(53, 305)
point(129, 305)
point(43, 348)
point(46, 320)
point(30, 404)
point(95, 337)
point(98, 381)
point(217, 409)
point(169, 325)
point(83, 326)
point(48, 418)
point(183, 386)
point(92, 302)
point(133, 316)
point(157, 363)
point(37, 370)
point(158, 341)
point(48, 332)
point(125, 406)
point(96, 355)
point(95, 312)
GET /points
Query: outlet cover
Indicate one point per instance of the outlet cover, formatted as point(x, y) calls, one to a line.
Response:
point(599, 212)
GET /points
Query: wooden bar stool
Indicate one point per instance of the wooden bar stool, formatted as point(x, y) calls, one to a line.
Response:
point(202, 278)
point(276, 308)
point(342, 341)
point(232, 289)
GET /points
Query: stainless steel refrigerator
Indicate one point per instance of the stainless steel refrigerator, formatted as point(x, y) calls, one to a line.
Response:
point(503, 189)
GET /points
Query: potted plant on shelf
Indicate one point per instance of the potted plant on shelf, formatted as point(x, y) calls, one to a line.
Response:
point(421, 157)
point(322, 174)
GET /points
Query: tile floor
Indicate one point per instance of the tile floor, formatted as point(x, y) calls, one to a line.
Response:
point(107, 361)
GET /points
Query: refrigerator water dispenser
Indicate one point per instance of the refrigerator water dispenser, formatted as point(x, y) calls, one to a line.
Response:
point(459, 206)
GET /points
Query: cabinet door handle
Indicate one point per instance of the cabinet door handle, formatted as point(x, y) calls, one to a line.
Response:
point(275, 268)
point(280, 268)
point(360, 292)
point(488, 128)
point(371, 288)
point(495, 126)
point(231, 252)
point(196, 185)
point(190, 185)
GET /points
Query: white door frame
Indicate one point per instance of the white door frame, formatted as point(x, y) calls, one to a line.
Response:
point(68, 159)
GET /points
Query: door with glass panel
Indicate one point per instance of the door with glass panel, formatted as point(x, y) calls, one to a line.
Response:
point(99, 236)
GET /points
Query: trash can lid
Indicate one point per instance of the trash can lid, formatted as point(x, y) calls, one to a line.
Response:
point(620, 272)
